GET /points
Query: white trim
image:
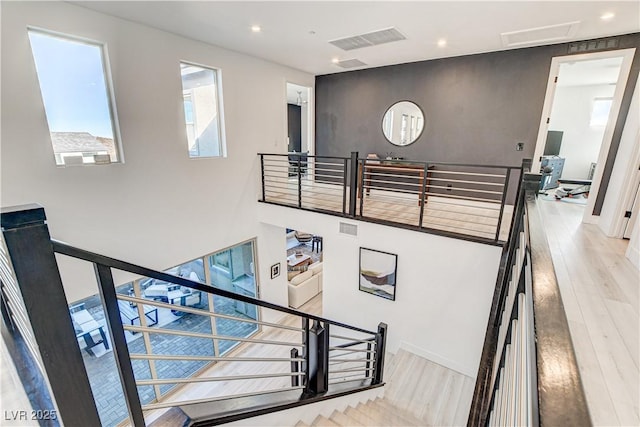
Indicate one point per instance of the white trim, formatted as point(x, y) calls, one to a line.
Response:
point(436, 358)
point(627, 55)
point(628, 194)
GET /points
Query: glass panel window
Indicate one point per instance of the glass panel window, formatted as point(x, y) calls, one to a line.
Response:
point(202, 110)
point(233, 270)
point(76, 96)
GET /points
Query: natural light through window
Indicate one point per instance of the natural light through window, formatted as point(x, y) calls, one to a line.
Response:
point(202, 111)
point(600, 112)
point(76, 96)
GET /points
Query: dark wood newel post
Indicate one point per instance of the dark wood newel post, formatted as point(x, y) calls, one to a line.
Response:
point(353, 183)
point(31, 253)
point(317, 359)
point(381, 344)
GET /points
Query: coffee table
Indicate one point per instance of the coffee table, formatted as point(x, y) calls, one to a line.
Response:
point(294, 261)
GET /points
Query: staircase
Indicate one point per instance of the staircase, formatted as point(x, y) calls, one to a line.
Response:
point(378, 412)
point(418, 392)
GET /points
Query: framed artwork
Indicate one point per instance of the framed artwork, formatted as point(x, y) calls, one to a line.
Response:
point(378, 273)
point(275, 270)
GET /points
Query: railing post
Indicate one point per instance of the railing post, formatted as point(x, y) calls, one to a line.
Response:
point(120, 348)
point(299, 181)
point(423, 191)
point(264, 196)
point(295, 368)
point(318, 359)
point(345, 184)
point(353, 184)
point(381, 343)
point(502, 202)
point(29, 246)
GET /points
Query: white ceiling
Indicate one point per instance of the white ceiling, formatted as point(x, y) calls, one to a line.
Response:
point(590, 72)
point(296, 33)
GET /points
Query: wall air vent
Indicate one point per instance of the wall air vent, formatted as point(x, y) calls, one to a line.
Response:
point(373, 38)
point(350, 63)
point(591, 45)
point(540, 35)
point(351, 229)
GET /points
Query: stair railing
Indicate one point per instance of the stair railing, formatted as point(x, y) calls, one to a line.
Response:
point(405, 193)
point(528, 374)
point(307, 347)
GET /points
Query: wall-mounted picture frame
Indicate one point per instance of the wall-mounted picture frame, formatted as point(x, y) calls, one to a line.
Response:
point(275, 270)
point(377, 273)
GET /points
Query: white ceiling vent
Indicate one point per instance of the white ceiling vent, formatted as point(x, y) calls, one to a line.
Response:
point(539, 35)
point(373, 38)
point(351, 229)
point(350, 63)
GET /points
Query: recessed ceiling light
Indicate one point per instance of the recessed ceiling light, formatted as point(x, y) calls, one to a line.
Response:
point(256, 28)
point(335, 60)
point(607, 16)
point(442, 43)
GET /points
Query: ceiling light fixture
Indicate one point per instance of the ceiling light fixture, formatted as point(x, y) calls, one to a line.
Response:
point(607, 16)
point(335, 60)
point(442, 42)
point(299, 99)
point(256, 28)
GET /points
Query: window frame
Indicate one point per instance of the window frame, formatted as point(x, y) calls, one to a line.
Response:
point(109, 89)
point(222, 139)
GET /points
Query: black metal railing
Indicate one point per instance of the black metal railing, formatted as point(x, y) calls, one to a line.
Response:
point(459, 200)
point(308, 356)
point(528, 373)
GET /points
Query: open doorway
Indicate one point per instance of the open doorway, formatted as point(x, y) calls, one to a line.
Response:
point(298, 124)
point(581, 107)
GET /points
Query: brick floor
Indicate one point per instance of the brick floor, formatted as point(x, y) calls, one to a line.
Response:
point(103, 374)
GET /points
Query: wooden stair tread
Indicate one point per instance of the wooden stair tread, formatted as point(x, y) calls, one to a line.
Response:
point(344, 420)
point(321, 421)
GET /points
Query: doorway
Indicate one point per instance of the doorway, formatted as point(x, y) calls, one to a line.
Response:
point(299, 139)
point(582, 103)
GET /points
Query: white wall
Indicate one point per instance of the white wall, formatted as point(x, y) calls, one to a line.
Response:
point(626, 166)
point(159, 208)
point(571, 114)
point(443, 294)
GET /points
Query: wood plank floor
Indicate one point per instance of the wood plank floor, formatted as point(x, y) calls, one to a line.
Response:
point(474, 218)
point(600, 292)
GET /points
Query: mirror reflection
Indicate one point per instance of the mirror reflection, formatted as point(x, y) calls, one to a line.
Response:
point(403, 122)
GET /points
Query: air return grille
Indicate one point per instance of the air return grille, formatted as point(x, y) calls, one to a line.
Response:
point(350, 63)
point(373, 38)
point(539, 35)
point(351, 229)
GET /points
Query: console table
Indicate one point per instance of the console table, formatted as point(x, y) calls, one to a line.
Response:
point(382, 169)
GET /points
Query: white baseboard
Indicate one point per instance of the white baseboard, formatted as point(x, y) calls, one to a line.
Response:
point(440, 360)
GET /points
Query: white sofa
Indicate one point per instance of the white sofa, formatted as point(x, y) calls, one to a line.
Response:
point(305, 285)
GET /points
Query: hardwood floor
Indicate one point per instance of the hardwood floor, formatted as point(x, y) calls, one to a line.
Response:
point(474, 218)
point(600, 292)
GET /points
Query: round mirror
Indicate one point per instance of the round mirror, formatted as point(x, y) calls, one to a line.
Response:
point(403, 122)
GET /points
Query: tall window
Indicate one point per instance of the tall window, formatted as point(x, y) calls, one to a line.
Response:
point(600, 112)
point(75, 91)
point(202, 110)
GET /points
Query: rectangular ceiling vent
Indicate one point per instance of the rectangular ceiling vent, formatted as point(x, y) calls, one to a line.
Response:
point(373, 38)
point(350, 63)
point(551, 33)
point(351, 229)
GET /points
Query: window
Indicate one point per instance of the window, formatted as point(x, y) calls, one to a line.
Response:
point(600, 112)
point(76, 96)
point(202, 110)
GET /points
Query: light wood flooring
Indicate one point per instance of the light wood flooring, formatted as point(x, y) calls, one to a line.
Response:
point(600, 292)
point(467, 217)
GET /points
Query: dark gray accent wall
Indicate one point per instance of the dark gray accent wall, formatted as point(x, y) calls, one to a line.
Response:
point(294, 127)
point(476, 107)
